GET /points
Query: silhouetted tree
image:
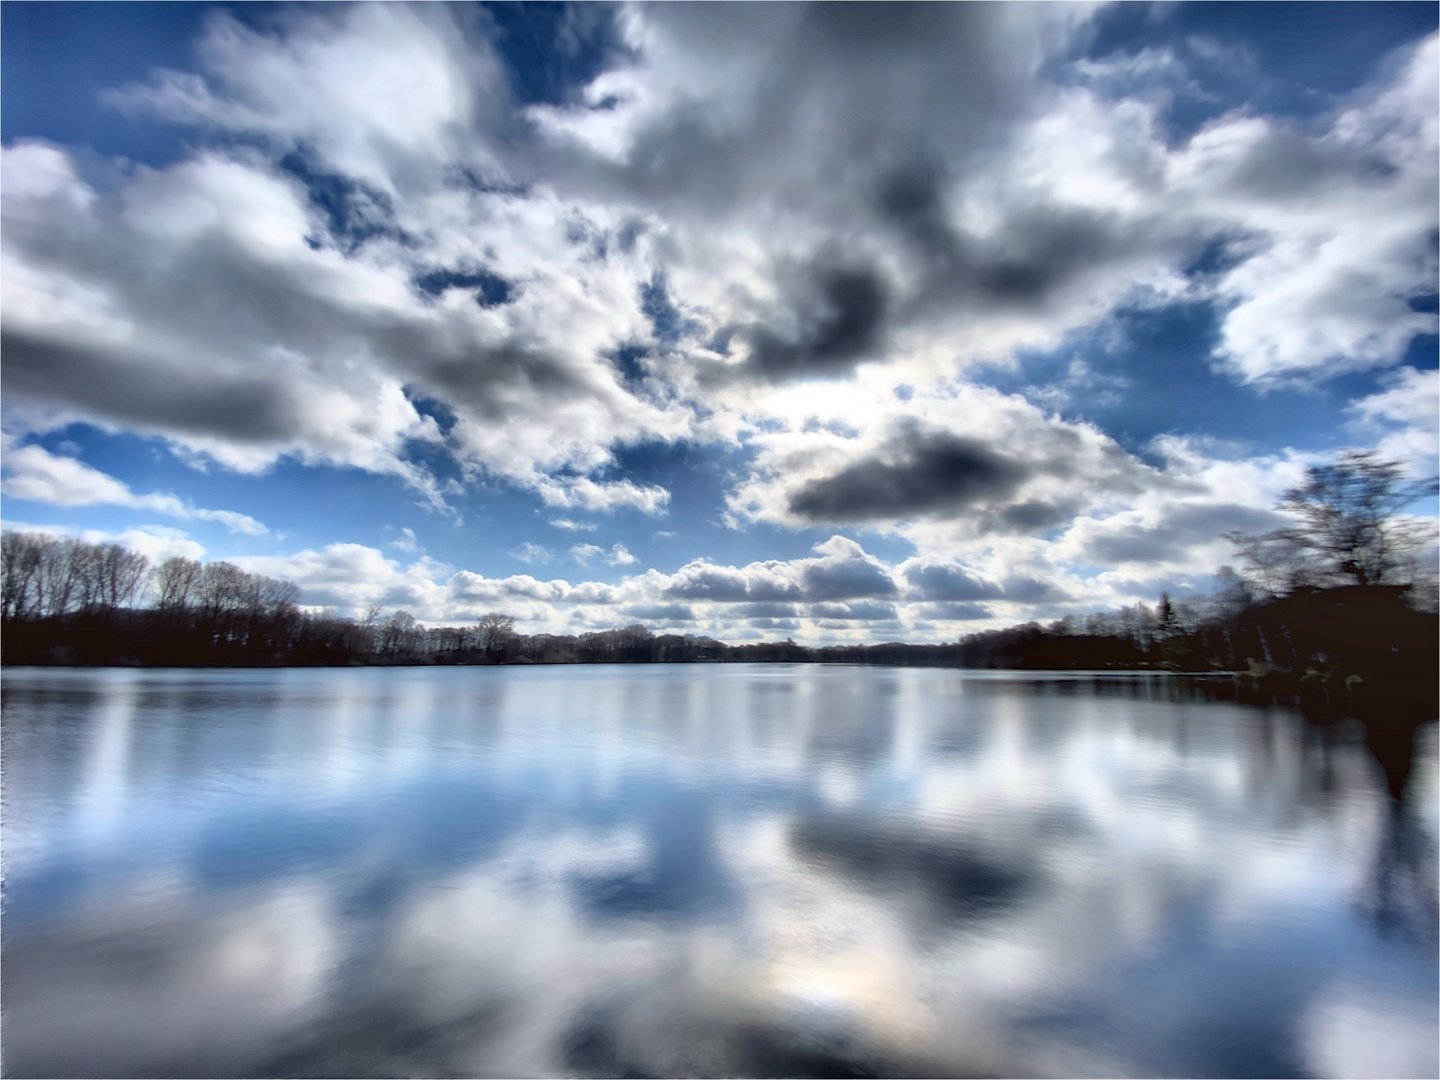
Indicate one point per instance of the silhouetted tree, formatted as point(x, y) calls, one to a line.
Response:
point(1350, 529)
point(494, 634)
point(175, 581)
point(20, 556)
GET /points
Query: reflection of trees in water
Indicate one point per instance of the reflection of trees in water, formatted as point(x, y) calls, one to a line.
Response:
point(1402, 894)
point(1400, 898)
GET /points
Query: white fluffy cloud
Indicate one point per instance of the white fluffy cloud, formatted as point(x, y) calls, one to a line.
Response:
point(1338, 228)
point(841, 593)
point(216, 303)
point(755, 232)
point(156, 542)
point(40, 476)
point(1406, 416)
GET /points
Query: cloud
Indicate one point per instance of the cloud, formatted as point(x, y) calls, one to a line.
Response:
point(841, 570)
point(1406, 417)
point(867, 610)
point(583, 553)
point(841, 593)
point(1344, 222)
point(839, 318)
point(155, 542)
point(253, 304)
point(590, 495)
point(532, 553)
point(349, 576)
point(309, 81)
point(407, 542)
point(665, 613)
point(824, 187)
point(1133, 537)
point(941, 581)
point(750, 230)
point(953, 611)
point(916, 474)
point(978, 461)
point(39, 476)
point(616, 556)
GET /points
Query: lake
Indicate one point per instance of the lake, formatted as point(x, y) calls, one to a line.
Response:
point(768, 870)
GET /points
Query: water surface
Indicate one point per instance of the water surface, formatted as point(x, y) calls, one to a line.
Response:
point(704, 870)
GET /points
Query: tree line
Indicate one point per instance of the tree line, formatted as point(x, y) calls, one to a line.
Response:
point(66, 601)
point(1343, 599)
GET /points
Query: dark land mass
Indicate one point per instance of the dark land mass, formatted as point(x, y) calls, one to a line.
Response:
point(1325, 648)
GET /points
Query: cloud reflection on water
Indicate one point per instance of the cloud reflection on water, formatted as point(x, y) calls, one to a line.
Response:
point(742, 870)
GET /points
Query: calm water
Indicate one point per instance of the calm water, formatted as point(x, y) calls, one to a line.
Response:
point(752, 870)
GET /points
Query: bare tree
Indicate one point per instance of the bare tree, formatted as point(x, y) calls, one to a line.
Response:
point(1350, 528)
point(56, 582)
point(274, 596)
point(401, 633)
point(87, 574)
point(20, 555)
point(493, 632)
point(175, 582)
point(120, 572)
point(221, 588)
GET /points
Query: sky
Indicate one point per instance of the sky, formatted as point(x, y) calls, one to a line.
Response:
point(840, 323)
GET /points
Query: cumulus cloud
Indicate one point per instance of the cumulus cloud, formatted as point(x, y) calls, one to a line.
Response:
point(280, 300)
point(984, 462)
point(750, 231)
point(841, 581)
point(915, 474)
point(876, 185)
point(1169, 538)
point(841, 570)
point(37, 475)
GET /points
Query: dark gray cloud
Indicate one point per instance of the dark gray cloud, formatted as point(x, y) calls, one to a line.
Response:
point(919, 474)
point(1028, 590)
point(726, 583)
point(768, 609)
point(950, 582)
point(774, 624)
point(840, 323)
point(813, 89)
point(953, 610)
point(118, 383)
point(1033, 516)
point(847, 579)
point(865, 122)
point(1032, 256)
point(858, 610)
point(870, 124)
point(663, 612)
